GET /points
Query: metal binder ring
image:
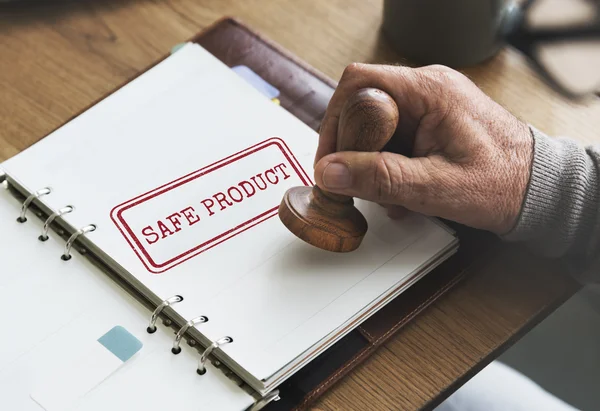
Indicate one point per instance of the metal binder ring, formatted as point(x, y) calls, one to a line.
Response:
point(272, 396)
point(201, 369)
point(87, 229)
point(172, 300)
point(28, 200)
point(176, 349)
point(64, 210)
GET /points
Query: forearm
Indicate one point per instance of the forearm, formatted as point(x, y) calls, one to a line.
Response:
point(560, 216)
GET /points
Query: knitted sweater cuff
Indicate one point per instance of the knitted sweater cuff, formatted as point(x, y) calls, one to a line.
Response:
point(560, 211)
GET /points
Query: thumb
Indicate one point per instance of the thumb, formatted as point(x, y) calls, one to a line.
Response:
point(379, 177)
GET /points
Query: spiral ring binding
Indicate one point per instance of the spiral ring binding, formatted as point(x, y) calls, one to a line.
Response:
point(172, 300)
point(62, 211)
point(28, 200)
point(82, 231)
point(176, 349)
point(221, 341)
point(272, 396)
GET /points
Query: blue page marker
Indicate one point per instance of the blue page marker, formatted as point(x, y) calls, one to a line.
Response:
point(250, 76)
point(261, 85)
point(177, 47)
point(121, 343)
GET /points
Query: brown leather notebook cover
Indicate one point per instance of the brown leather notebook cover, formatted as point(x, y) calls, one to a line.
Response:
point(305, 93)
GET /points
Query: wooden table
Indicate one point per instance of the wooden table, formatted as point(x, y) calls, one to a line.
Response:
point(57, 58)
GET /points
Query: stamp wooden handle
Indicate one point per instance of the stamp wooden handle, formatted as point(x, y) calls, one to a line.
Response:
point(331, 221)
point(367, 122)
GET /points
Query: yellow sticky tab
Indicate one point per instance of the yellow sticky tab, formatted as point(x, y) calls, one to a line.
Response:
point(276, 101)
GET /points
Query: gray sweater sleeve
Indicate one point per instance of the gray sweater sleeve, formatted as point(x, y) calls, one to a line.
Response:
point(560, 216)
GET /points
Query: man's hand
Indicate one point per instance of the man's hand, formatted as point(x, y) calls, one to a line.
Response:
point(471, 158)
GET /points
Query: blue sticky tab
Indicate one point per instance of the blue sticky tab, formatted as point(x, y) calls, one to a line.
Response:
point(121, 343)
point(177, 47)
point(251, 77)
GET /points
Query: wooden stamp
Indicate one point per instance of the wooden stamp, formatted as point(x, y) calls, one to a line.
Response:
point(331, 221)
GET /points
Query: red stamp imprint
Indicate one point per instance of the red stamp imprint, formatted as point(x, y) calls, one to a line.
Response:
point(181, 219)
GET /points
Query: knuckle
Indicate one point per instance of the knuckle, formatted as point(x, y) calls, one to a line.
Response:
point(355, 71)
point(444, 76)
point(447, 88)
point(352, 70)
point(440, 68)
point(388, 178)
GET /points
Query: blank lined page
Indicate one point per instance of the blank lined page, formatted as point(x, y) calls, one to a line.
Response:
point(300, 295)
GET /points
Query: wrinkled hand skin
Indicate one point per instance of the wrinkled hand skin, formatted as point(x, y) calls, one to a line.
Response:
point(471, 158)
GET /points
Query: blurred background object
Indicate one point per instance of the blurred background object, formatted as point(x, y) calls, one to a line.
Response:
point(561, 38)
point(455, 33)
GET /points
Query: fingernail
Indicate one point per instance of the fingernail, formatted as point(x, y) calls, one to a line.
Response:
point(337, 175)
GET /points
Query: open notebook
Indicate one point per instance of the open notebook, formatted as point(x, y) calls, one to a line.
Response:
point(175, 180)
point(50, 339)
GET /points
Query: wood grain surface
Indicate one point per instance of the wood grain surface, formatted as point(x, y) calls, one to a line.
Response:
point(56, 57)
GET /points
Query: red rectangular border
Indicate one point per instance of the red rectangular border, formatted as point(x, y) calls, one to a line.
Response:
point(142, 253)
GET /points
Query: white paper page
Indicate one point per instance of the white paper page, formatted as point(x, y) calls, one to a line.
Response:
point(56, 310)
point(368, 310)
point(347, 284)
point(149, 186)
